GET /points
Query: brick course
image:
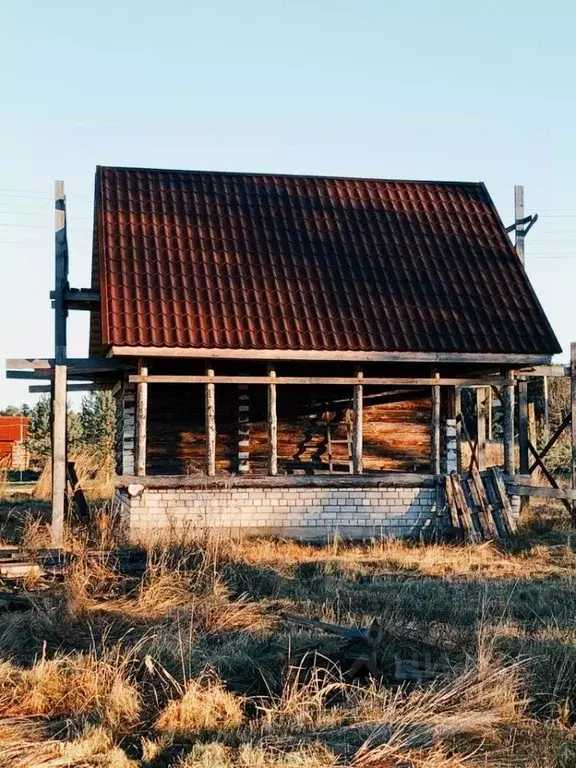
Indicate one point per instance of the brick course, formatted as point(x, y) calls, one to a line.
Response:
point(293, 512)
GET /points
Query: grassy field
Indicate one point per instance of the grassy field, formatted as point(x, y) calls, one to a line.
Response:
point(191, 664)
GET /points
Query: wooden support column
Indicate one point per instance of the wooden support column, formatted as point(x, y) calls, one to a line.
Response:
point(210, 411)
point(573, 425)
point(458, 413)
point(59, 406)
point(141, 419)
point(481, 426)
point(523, 426)
point(272, 425)
point(546, 406)
point(357, 431)
point(519, 216)
point(489, 415)
point(508, 414)
point(435, 447)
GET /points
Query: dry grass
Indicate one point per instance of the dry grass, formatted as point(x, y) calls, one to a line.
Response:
point(185, 664)
point(95, 474)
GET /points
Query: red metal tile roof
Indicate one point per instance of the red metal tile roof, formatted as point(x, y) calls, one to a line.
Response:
point(250, 261)
point(13, 429)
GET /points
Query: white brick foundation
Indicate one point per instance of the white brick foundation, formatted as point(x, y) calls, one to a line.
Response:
point(299, 512)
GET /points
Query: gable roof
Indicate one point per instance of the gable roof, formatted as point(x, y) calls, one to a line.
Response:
point(239, 261)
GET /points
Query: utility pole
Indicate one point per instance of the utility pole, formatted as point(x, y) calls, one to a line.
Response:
point(519, 220)
point(60, 371)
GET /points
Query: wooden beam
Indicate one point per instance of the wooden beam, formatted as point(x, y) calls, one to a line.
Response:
point(381, 480)
point(573, 414)
point(458, 412)
point(538, 490)
point(519, 220)
point(435, 449)
point(507, 397)
point(210, 415)
point(37, 389)
point(59, 415)
point(523, 438)
point(513, 360)
point(357, 425)
point(481, 426)
point(141, 419)
point(551, 479)
point(78, 364)
point(552, 371)
point(272, 425)
point(322, 380)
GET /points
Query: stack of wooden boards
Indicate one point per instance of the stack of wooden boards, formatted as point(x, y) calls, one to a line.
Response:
point(478, 506)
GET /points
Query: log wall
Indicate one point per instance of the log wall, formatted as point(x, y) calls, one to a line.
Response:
point(396, 429)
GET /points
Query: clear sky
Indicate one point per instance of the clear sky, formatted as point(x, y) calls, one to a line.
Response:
point(450, 89)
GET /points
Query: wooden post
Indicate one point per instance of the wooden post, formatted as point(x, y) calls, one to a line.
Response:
point(508, 414)
point(210, 410)
point(573, 425)
point(357, 425)
point(523, 426)
point(546, 406)
point(481, 426)
point(59, 416)
point(489, 415)
point(519, 216)
point(435, 429)
point(141, 419)
point(272, 426)
point(458, 412)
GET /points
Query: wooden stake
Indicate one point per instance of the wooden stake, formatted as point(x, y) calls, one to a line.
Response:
point(458, 412)
point(523, 426)
point(508, 413)
point(435, 429)
point(210, 410)
point(272, 426)
point(357, 426)
point(573, 427)
point(141, 419)
point(60, 371)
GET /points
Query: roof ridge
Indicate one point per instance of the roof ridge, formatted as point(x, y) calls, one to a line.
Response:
point(271, 174)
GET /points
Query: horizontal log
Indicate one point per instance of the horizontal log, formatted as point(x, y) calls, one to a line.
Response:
point(549, 493)
point(316, 380)
point(79, 364)
point(513, 360)
point(38, 389)
point(545, 370)
point(201, 482)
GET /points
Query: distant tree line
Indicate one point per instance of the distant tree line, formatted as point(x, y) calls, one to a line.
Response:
point(91, 428)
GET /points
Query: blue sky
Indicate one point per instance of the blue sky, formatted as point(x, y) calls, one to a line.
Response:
point(444, 90)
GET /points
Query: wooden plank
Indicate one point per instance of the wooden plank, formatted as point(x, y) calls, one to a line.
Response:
point(485, 511)
point(47, 388)
point(272, 425)
point(460, 421)
point(507, 513)
point(507, 398)
point(547, 371)
point(458, 412)
point(435, 446)
point(566, 494)
point(515, 360)
point(463, 508)
point(523, 437)
point(210, 411)
point(141, 419)
point(357, 425)
point(451, 504)
point(481, 427)
point(322, 380)
point(385, 480)
point(59, 456)
point(573, 419)
point(78, 364)
point(544, 469)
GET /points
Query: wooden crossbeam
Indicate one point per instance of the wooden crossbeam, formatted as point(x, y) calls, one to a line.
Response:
point(551, 479)
point(565, 422)
point(545, 370)
point(79, 364)
point(323, 380)
point(39, 389)
point(564, 494)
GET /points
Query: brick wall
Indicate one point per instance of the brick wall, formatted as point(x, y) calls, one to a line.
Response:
point(125, 428)
point(313, 513)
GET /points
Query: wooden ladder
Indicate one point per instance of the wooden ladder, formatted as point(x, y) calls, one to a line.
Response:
point(331, 441)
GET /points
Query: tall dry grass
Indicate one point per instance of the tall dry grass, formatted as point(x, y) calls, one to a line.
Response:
point(95, 474)
point(186, 663)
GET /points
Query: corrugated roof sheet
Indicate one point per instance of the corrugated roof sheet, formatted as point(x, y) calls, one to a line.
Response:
point(251, 261)
point(13, 428)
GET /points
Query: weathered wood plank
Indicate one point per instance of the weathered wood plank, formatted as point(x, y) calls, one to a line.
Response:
point(288, 354)
point(272, 425)
point(481, 426)
point(210, 409)
point(507, 513)
point(507, 397)
point(141, 419)
point(485, 511)
point(320, 380)
point(463, 508)
point(357, 423)
point(566, 494)
point(385, 480)
point(523, 426)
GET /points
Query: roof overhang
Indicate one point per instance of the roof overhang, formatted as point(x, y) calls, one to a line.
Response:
point(490, 358)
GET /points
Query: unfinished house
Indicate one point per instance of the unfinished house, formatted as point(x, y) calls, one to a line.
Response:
point(287, 352)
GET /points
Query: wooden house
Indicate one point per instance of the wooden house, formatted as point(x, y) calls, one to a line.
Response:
point(287, 352)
